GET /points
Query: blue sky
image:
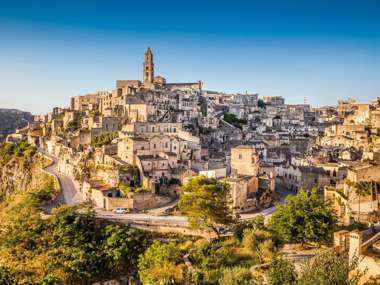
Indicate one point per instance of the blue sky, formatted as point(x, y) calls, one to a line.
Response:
point(321, 50)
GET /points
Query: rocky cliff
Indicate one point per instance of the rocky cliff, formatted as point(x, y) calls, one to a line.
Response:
point(20, 170)
point(11, 119)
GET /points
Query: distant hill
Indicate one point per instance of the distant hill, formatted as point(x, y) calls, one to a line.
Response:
point(11, 119)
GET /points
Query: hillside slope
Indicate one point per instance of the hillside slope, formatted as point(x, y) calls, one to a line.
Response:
point(11, 119)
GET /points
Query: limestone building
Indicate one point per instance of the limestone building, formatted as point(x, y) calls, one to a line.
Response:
point(244, 161)
point(148, 69)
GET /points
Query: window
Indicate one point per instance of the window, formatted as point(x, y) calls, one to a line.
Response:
point(154, 145)
point(166, 145)
point(240, 156)
point(174, 130)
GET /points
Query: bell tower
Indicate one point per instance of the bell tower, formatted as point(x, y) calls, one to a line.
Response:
point(148, 68)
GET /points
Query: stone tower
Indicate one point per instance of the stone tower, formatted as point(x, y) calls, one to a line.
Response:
point(148, 68)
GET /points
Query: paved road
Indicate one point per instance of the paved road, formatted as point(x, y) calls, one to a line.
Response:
point(69, 194)
point(168, 220)
point(267, 213)
point(161, 210)
point(143, 218)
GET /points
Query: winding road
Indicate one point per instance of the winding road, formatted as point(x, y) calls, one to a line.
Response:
point(69, 191)
point(70, 195)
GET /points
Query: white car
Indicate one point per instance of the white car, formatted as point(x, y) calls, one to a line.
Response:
point(120, 210)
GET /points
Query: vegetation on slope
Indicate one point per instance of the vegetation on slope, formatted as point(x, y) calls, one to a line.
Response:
point(231, 118)
point(17, 149)
point(71, 245)
point(227, 260)
point(104, 139)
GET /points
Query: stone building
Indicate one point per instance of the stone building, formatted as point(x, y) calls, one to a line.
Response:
point(251, 185)
point(159, 157)
point(296, 178)
point(363, 246)
point(244, 161)
point(345, 200)
point(274, 100)
point(148, 69)
point(243, 190)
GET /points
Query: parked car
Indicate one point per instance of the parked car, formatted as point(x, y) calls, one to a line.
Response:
point(120, 210)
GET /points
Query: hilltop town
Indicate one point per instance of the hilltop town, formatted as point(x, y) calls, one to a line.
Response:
point(128, 152)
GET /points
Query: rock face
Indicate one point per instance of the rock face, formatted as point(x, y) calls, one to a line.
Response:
point(14, 175)
point(11, 119)
point(21, 174)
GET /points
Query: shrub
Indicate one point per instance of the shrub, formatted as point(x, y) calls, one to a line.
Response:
point(238, 276)
point(282, 272)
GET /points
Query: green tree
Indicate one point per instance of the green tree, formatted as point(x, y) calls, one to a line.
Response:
point(282, 272)
point(238, 276)
point(303, 218)
point(232, 119)
point(329, 268)
point(121, 247)
point(261, 104)
point(206, 203)
point(86, 250)
point(160, 264)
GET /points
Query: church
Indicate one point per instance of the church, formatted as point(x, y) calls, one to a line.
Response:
point(152, 97)
point(152, 82)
